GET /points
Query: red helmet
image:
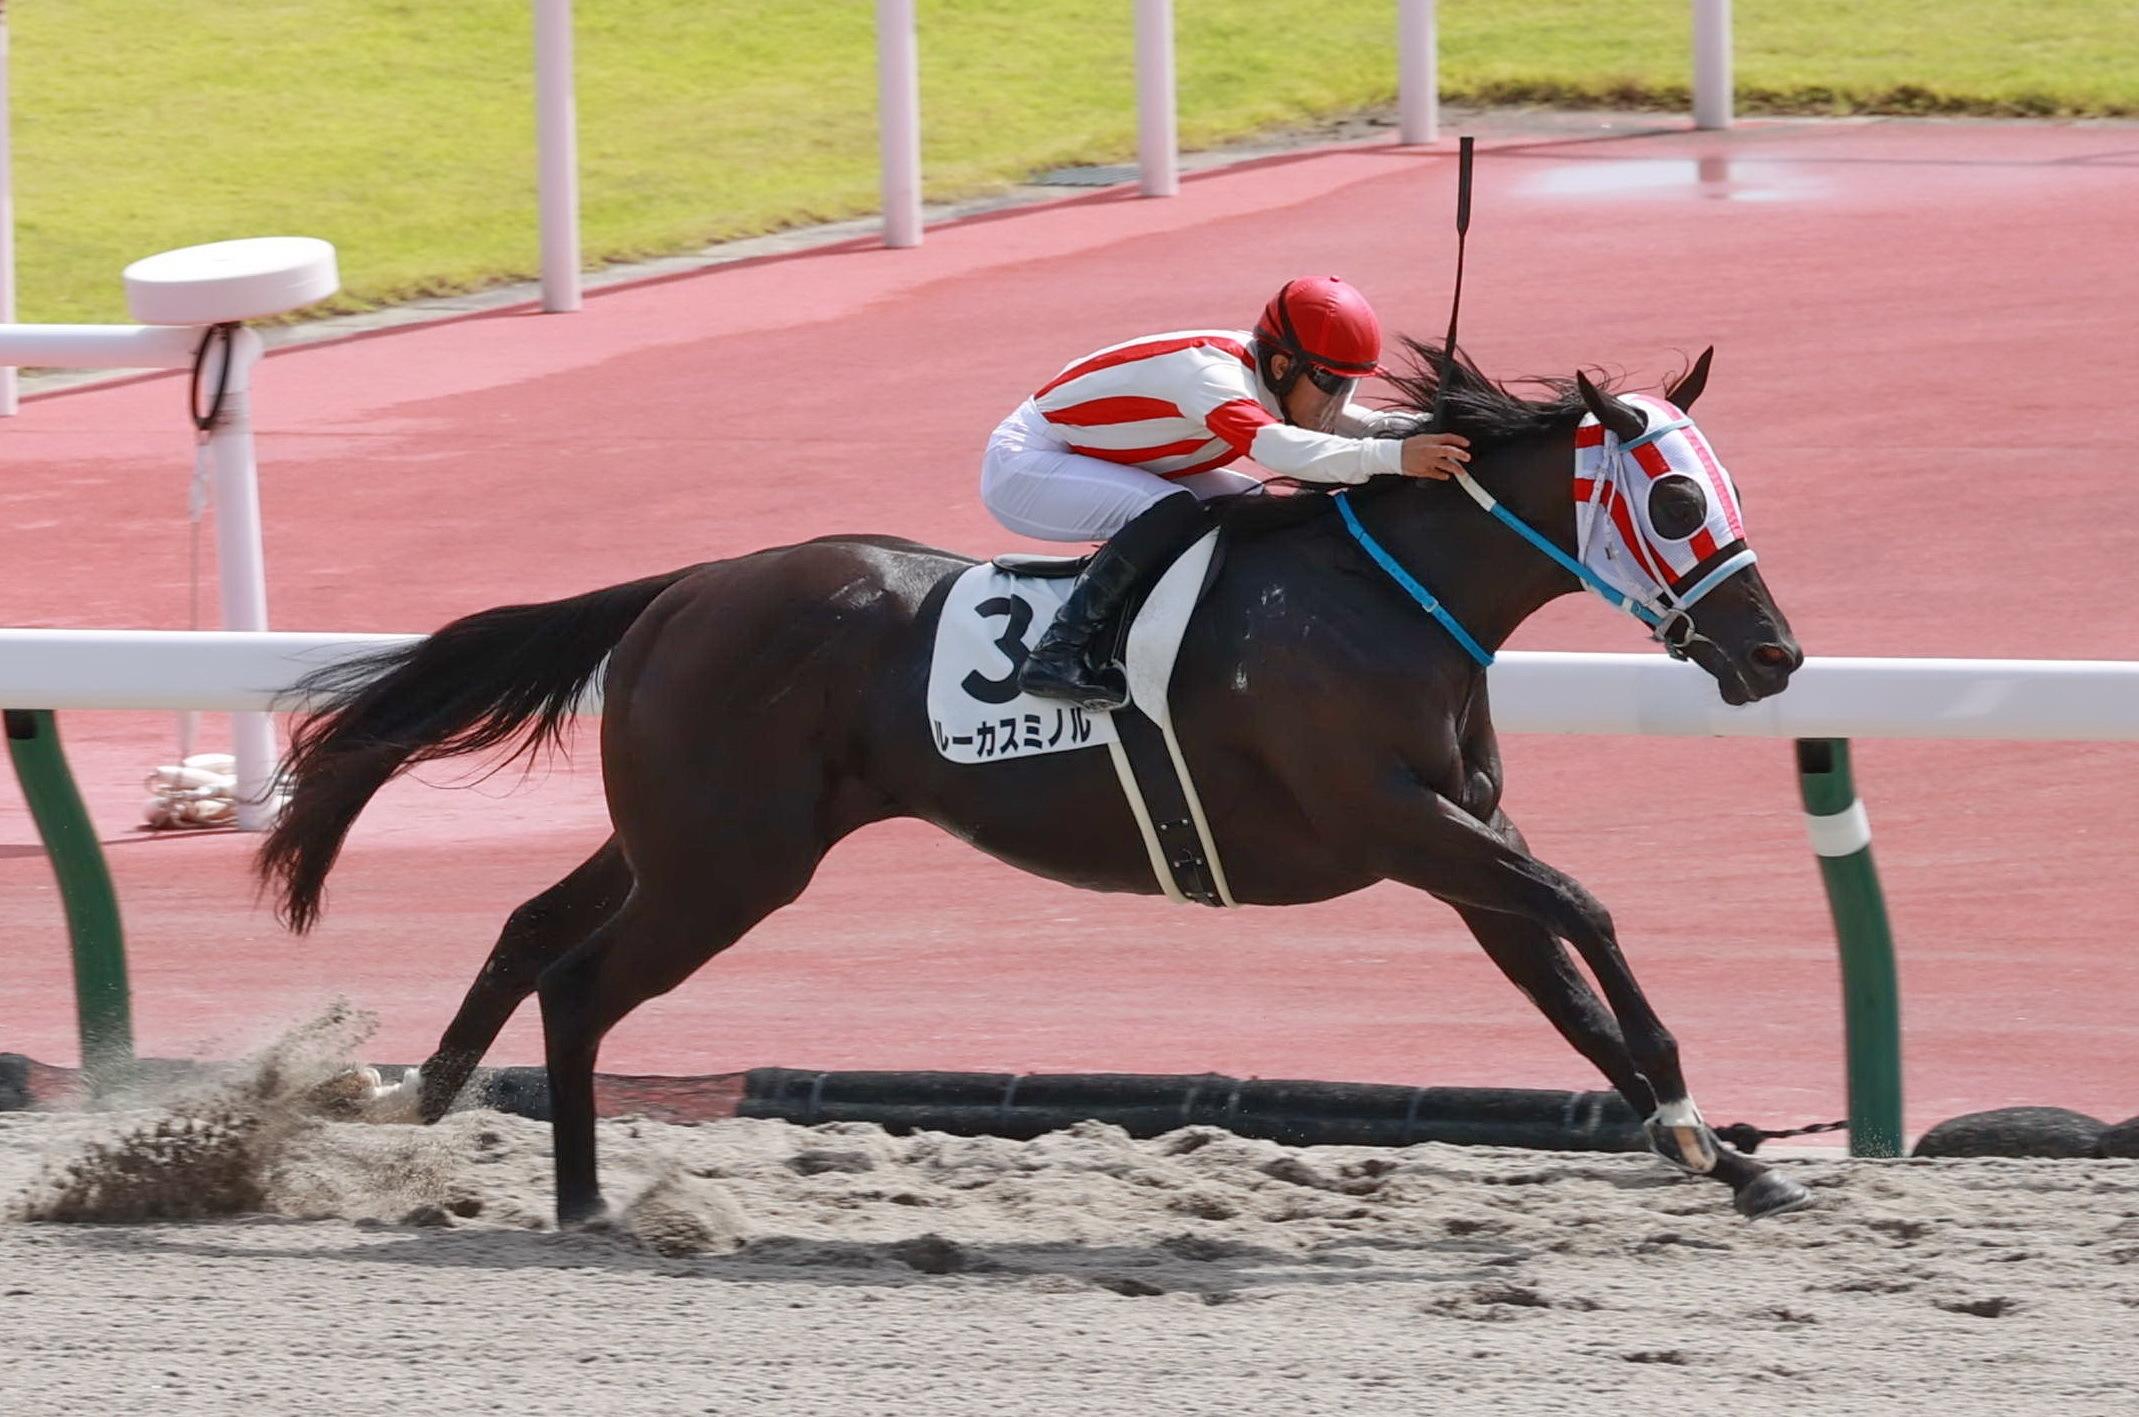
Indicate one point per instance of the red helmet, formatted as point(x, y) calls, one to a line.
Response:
point(1326, 322)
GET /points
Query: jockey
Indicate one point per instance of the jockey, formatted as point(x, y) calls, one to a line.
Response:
point(1125, 444)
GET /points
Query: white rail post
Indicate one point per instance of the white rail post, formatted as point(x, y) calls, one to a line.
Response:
point(7, 227)
point(898, 120)
point(241, 564)
point(186, 296)
point(557, 144)
point(1418, 72)
point(1711, 63)
point(1158, 140)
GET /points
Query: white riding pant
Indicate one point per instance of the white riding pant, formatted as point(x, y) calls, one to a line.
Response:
point(1037, 487)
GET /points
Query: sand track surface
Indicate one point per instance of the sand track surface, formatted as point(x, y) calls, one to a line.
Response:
point(763, 1267)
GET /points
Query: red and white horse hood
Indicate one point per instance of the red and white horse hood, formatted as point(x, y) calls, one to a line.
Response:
point(1656, 517)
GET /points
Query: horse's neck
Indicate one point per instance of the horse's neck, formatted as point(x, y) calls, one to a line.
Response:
point(1490, 579)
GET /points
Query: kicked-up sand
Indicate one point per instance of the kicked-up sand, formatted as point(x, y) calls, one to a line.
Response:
point(761, 1267)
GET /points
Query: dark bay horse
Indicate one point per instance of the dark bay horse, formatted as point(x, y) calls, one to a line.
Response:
point(759, 709)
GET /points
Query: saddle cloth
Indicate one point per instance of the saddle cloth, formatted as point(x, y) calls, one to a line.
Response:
point(990, 623)
point(991, 620)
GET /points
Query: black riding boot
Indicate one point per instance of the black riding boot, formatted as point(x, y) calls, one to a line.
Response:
point(1066, 663)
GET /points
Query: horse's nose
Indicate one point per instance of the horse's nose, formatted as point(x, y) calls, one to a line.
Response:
point(1774, 656)
point(1776, 662)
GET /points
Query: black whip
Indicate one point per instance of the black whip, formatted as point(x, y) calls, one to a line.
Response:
point(1455, 303)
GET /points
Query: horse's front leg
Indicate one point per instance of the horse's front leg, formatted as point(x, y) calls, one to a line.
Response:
point(1520, 908)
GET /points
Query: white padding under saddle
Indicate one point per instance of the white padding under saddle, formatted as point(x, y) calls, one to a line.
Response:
point(974, 711)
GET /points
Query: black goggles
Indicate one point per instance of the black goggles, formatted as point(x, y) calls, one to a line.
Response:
point(1329, 381)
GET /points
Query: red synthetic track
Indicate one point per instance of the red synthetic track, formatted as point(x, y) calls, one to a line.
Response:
point(1923, 387)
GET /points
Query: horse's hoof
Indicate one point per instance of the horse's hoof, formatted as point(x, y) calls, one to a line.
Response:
point(592, 1219)
point(1770, 1193)
point(1677, 1134)
point(346, 1093)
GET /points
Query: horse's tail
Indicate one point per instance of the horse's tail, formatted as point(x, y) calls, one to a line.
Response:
point(513, 673)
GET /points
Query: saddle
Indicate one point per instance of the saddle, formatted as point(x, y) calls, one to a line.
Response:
point(1042, 568)
point(992, 616)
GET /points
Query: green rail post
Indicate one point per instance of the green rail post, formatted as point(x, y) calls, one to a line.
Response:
point(102, 1003)
point(1871, 996)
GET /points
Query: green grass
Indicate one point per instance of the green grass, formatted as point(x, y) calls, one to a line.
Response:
point(403, 130)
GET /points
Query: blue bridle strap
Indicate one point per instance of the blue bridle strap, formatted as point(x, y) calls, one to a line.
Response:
point(1673, 614)
point(1380, 557)
point(1566, 562)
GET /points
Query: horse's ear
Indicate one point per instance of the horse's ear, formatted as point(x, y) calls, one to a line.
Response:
point(1622, 418)
point(1686, 390)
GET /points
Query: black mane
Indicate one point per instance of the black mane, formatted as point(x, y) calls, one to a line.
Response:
point(1489, 414)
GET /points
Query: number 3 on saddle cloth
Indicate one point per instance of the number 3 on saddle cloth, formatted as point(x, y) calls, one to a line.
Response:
point(994, 615)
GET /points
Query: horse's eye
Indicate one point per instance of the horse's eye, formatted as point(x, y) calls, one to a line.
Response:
point(1678, 507)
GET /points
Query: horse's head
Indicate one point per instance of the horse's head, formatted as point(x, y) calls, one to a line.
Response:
point(1657, 519)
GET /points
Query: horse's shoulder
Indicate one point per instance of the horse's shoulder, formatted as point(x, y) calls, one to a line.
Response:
point(1281, 595)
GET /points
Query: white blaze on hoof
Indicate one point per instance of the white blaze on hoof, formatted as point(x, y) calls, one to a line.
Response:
point(1688, 1145)
point(402, 1102)
point(1693, 1145)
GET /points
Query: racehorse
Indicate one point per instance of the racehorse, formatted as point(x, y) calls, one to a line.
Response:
point(759, 709)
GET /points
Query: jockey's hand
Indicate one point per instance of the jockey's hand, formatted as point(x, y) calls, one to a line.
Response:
point(1435, 455)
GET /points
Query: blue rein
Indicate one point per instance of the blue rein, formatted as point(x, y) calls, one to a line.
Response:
point(1647, 614)
point(1580, 572)
point(1381, 557)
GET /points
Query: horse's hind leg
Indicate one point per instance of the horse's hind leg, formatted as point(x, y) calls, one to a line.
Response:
point(535, 935)
point(679, 915)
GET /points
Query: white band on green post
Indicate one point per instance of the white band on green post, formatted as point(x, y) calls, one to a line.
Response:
point(1844, 834)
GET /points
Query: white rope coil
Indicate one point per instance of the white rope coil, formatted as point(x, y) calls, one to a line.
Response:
point(198, 792)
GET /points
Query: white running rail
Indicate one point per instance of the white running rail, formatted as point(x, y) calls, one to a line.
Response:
point(1537, 692)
